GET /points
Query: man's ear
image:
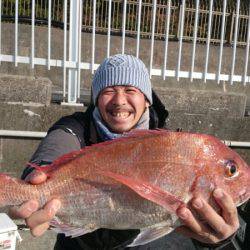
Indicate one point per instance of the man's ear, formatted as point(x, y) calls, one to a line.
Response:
point(147, 104)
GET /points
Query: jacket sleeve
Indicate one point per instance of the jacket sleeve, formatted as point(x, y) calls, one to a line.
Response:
point(57, 143)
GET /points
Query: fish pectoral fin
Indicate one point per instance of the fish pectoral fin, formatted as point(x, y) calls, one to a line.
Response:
point(148, 191)
point(69, 230)
point(148, 235)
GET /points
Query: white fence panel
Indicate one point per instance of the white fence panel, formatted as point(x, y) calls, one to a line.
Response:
point(72, 64)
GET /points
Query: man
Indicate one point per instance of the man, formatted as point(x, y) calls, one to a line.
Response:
point(122, 100)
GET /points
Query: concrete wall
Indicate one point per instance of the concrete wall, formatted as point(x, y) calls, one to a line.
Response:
point(56, 74)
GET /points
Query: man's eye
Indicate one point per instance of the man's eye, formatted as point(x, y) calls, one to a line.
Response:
point(130, 90)
point(108, 91)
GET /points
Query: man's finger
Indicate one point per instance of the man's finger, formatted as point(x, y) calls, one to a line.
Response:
point(189, 220)
point(36, 177)
point(44, 215)
point(229, 210)
point(211, 217)
point(24, 211)
point(195, 229)
point(40, 229)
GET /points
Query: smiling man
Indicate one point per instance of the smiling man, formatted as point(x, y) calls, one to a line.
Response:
point(122, 100)
point(121, 108)
point(122, 94)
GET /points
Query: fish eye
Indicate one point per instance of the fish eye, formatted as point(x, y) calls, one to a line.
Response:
point(231, 169)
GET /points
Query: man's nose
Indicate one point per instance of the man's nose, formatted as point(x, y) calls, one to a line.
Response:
point(119, 99)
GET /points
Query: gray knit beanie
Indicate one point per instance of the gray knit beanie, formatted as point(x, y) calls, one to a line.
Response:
point(122, 69)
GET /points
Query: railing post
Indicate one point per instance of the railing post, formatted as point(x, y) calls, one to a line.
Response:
point(0, 36)
point(73, 49)
point(179, 21)
point(230, 37)
point(180, 39)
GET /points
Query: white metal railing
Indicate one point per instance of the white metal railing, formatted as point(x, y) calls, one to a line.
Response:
point(40, 135)
point(72, 64)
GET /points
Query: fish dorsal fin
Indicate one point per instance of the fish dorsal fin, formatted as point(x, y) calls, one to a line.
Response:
point(148, 191)
point(74, 154)
point(151, 234)
point(56, 163)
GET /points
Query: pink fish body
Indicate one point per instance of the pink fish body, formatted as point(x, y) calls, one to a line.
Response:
point(136, 182)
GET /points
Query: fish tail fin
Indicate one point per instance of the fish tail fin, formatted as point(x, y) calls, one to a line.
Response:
point(148, 191)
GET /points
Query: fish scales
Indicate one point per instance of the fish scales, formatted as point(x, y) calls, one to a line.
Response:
point(135, 182)
point(86, 208)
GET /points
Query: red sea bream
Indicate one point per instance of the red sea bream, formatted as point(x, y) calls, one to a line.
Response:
point(135, 182)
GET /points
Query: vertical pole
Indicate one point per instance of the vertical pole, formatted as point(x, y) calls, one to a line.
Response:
point(16, 32)
point(195, 37)
point(138, 30)
point(166, 39)
point(235, 40)
point(79, 50)
point(180, 38)
point(33, 34)
point(93, 37)
point(124, 25)
point(0, 31)
point(247, 49)
point(49, 33)
point(208, 39)
point(152, 39)
point(222, 40)
point(230, 37)
point(64, 47)
point(109, 28)
point(73, 49)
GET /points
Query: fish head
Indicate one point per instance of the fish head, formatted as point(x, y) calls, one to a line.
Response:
point(236, 177)
point(223, 167)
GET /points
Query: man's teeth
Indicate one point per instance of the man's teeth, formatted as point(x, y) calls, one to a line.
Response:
point(121, 114)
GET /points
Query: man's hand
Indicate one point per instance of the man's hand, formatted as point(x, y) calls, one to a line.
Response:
point(217, 227)
point(37, 220)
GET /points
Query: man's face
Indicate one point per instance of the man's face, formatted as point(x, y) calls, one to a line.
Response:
point(121, 107)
